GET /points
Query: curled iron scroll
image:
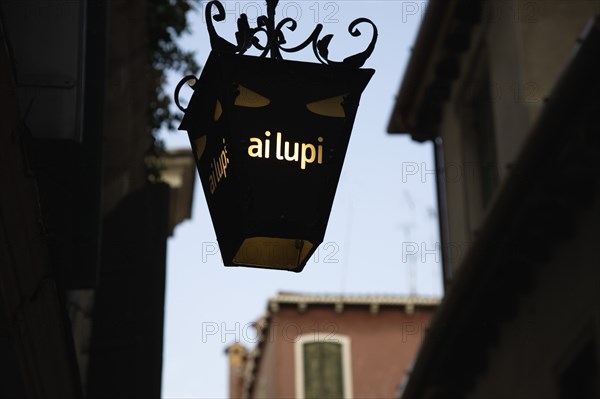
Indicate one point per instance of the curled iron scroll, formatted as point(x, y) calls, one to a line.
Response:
point(247, 37)
point(183, 81)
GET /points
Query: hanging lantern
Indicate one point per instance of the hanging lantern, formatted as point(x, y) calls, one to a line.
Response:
point(269, 136)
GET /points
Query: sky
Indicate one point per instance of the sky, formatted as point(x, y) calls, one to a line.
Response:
point(382, 236)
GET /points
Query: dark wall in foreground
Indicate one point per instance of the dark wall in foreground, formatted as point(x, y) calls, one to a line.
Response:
point(127, 334)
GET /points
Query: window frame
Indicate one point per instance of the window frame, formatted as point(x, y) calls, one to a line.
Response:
point(324, 337)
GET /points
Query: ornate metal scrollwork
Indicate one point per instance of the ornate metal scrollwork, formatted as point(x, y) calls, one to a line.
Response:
point(246, 36)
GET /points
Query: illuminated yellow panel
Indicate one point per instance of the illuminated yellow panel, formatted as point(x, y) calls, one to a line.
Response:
point(328, 107)
point(273, 252)
point(251, 99)
point(218, 110)
point(200, 146)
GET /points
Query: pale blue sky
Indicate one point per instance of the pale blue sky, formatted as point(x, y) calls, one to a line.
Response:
point(378, 209)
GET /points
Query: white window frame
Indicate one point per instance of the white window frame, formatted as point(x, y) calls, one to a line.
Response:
point(323, 337)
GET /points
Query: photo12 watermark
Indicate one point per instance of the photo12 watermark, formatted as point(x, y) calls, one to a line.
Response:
point(326, 331)
point(224, 332)
point(328, 252)
point(430, 252)
point(452, 172)
point(317, 12)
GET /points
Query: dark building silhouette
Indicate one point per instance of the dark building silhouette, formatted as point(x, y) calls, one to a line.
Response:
point(509, 94)
point(82, 231)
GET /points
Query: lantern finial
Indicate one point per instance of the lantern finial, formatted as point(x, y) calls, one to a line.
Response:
point(246, 36)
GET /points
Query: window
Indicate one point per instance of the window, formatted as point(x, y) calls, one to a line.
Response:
point(323, 370)
point(323, 367)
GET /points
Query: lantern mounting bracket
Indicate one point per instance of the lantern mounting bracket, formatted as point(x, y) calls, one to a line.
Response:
point(246, 36)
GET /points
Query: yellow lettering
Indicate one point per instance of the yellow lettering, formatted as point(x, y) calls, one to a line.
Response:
point(278, 147)
point(255, 150)
point(320, 151)
point(304, 159)
point(223, 159)
point(218, 168)
point(219, 171)
point(213, 186)
point(287, 152)
point(304, 153)
point(267, 144)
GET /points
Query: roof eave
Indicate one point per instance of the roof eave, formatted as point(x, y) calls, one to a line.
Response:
point(415, 74)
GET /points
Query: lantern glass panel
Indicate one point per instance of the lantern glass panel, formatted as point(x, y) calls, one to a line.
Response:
point(278, 253)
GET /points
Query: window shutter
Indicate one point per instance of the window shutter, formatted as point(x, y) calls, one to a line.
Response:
point(323, 378)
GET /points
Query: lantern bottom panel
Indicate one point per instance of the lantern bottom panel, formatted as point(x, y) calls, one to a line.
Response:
point(273, 252)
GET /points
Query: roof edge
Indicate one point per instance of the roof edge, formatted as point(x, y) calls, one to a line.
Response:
point(332, 299)
point(415, 72)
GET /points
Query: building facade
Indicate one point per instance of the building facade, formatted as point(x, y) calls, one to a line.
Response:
point(83, 232)
point(508, 92)
point(330, 346)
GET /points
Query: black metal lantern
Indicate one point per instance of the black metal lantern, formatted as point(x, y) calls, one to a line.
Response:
point(269, 137)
